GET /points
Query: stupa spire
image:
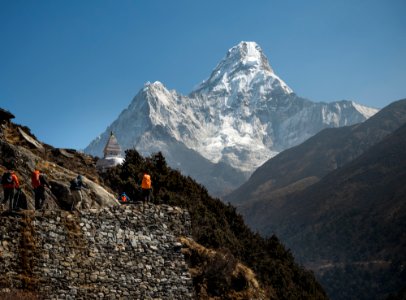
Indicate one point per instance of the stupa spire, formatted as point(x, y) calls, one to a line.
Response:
point(112, 147)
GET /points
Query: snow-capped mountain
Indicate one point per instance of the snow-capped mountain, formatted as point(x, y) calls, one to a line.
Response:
point(241, 116)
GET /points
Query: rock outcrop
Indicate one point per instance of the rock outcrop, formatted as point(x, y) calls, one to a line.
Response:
point(21, 149)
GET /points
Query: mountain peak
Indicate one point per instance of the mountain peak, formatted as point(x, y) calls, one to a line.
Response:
point(245, 56)
point(244, 68)
point(156, 91)
point(249, 54)
point(151, 85)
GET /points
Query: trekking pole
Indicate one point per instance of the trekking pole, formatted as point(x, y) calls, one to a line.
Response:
point(46, 198)
point(14, 202)
point(73, 202)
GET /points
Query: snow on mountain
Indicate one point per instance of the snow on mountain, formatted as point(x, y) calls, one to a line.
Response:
point(364, 110)
point(244, 68)
point(241, 116)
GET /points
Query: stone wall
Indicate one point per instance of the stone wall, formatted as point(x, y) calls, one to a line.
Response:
point(125, 252)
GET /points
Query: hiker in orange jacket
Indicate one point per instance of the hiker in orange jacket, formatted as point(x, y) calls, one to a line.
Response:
point(39, 182)
point(146, 187)
point(10, 184)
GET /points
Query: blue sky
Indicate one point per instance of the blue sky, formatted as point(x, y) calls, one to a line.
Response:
point(69, 67)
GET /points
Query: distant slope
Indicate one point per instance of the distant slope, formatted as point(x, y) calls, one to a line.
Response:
point(218, 178)
point(303, 165)
point(350, 226)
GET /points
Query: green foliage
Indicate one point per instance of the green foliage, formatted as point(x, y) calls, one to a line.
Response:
point(216, 225)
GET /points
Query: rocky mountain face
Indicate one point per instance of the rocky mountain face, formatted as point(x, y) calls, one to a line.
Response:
point(238, 118)
point(337, 200)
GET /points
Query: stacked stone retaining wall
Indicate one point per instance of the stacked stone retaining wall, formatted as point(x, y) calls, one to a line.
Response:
point(126, 252)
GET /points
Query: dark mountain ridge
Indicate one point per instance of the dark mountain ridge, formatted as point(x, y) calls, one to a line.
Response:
point(374, 183)
point(338, 201)
point(352, 223)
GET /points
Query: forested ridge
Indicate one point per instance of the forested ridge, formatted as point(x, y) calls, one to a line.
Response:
point(217, 225)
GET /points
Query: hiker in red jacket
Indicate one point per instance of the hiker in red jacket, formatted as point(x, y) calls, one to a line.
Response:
point(10, 183)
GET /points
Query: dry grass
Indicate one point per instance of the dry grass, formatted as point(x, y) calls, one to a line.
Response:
point(218, 275)
point(19, 295)
point(28, 248)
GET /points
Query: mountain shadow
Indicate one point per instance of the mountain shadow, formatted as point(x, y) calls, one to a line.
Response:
point(349, 226)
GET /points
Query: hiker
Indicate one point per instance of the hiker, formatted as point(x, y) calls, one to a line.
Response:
point(76, 186)
point(39, 182)
point(124, 198)
point(146, 187)
point(10, 183)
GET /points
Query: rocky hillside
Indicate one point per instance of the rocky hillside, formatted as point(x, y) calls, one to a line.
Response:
point(21, 149)
point(225, 259)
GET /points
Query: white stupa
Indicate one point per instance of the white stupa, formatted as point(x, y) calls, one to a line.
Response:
point(112, 155)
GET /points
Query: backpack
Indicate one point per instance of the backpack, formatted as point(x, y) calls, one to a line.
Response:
point(7, 178)
point(42, 179)
point(146, 182)
point(74, 184)
point(35, 179)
